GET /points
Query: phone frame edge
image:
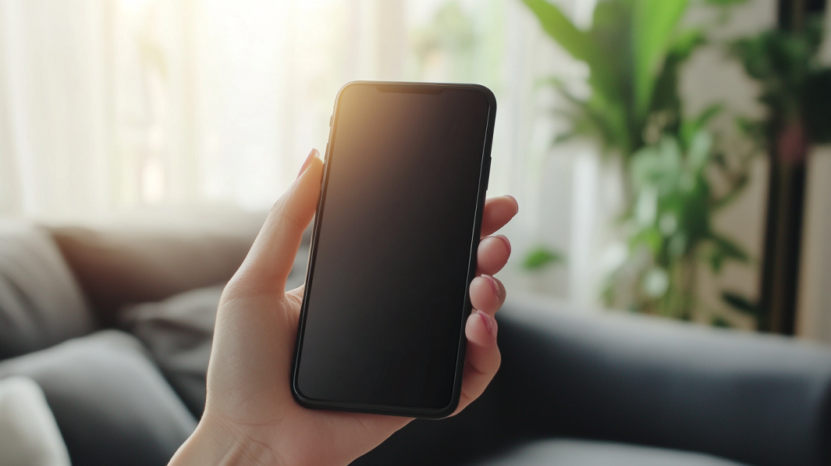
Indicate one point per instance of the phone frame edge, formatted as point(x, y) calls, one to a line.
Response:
point(484, 175)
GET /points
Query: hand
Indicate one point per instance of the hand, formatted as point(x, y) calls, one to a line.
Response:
point(250, 416)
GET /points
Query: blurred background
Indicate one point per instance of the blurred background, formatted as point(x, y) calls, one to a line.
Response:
point(668, 156)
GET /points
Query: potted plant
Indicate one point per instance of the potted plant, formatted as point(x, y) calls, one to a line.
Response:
point(634, 50)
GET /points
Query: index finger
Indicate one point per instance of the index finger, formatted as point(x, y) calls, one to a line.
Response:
point(498, 212)
point(271, 257)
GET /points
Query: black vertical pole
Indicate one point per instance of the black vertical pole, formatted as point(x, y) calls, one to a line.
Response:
point(780, 273)
point(786, 196)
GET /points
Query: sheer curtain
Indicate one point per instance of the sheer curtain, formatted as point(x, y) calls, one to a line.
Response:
point(55, 108)
point(113, 106)
point(108, 104)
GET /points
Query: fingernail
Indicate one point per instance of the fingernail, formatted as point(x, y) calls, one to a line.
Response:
point(490, 324)
point(494, 285)
point(504, 240)
point(515, 202)
point(308, 161)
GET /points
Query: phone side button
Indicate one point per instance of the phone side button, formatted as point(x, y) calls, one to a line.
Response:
point(487, 173)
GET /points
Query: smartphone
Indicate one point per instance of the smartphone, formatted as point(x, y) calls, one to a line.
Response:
point(393, 249)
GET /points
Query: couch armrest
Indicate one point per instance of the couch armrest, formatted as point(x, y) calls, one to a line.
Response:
point(112, 406)
point(756, 399)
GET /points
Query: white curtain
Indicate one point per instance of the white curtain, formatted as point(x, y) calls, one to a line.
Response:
point(109, 106)
point(55, 101)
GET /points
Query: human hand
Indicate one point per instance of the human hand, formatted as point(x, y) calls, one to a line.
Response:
point(250, 415)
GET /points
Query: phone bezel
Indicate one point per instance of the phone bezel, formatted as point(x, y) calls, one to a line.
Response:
point(484, 167)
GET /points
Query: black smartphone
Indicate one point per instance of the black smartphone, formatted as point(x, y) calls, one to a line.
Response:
point(393, 249)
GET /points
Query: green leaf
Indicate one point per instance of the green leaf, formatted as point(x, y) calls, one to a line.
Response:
point(708, 114)
point(720, 322)
point(660, 167)
point(611, 70)
point(716, 261)
point(541, 257)
point(725, 249)
point(686, 42)
point(560, 138)
point(643, 167)
point(700, 151)
point(691, 127)
point(730, 249)
point(653, 23)
point(648, 237)
point(733, 194)
point(741, 303)
point(665, 99)
point(585, 119)
point(582, 46)
point(576, 42)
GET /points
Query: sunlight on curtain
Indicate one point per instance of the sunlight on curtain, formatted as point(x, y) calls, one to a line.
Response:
point(109, 104)
point(113, 106)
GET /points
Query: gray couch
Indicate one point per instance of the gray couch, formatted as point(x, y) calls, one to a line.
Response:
point(125, 380)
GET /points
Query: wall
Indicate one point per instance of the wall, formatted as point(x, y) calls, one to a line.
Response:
point(814, 317)
point(814, 302)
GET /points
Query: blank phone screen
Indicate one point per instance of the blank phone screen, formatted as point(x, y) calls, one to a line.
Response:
point(386, 296)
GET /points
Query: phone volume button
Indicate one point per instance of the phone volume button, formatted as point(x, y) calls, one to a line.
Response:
point(487, 173)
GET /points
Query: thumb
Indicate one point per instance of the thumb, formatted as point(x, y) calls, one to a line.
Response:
point(271, 257)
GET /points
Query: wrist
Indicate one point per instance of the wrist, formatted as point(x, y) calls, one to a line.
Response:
point(215, 442)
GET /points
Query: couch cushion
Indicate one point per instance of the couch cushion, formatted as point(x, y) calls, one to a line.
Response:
point(40, 301)
point(123, 266)
point(111, 404)
point(756, 399)
point(178, 332)
point(588, 453)
point(29, 435)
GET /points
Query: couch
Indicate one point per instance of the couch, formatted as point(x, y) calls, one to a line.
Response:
point(114, 325)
